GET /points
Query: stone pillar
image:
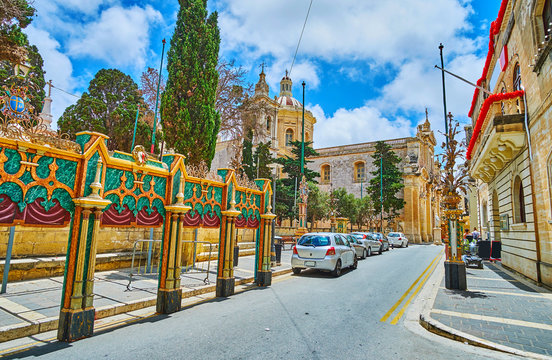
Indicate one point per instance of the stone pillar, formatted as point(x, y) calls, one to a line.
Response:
point(225, 276)
point(76, 318)
point(169, 294)
point(264, 274)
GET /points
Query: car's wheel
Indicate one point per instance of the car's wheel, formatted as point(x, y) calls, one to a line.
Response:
point(355, 263)
point(296, 271)
point(480, 265)
point(407, 244)
point(364, 254)
point(402, 244)
point(337, 271)
point(369, 251)
point(380, 250)
point(392, 246)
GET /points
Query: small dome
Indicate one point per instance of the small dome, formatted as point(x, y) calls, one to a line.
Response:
point(288, 101)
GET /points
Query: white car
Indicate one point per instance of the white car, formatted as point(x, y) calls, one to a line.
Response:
point(397, 239)
point(323, 251)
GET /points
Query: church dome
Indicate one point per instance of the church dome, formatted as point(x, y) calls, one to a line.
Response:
point(288, 101)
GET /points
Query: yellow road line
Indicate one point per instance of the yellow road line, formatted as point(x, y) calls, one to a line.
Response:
point(494, 319)
point(405, 306)
point(394, 307)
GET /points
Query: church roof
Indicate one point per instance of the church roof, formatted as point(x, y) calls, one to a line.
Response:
point(288, 101)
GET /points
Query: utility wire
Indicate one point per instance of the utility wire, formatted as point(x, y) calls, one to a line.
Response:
point(300, 37)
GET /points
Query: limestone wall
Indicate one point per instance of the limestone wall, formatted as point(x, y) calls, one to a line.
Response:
point(40, 241)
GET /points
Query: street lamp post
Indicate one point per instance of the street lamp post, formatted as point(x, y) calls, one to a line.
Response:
point(157, 99)
point(303, 188)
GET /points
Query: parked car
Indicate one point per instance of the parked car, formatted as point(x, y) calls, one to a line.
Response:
point(323, 251)
point(397, 239)
point(360, 247)
point(372, 245)
point(383, 241)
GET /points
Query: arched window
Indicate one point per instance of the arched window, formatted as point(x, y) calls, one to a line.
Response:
point(547, 18)
point(519, 201)
point(325, 174)
point(289, 137)
point(517, 78)
point(360, 171)
point(268, 124)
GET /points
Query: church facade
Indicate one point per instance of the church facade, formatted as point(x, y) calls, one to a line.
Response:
point(279, 120)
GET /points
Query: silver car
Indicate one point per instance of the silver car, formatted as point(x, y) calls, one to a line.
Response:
point(360, 247)
point(323, 251)
point(371, 243)
point(397, 239)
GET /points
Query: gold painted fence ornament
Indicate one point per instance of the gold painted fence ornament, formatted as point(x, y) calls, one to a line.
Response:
point(18, 121)
point(140, 155)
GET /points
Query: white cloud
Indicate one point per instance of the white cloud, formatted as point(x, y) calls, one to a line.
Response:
point(358, 125)
point(119, 37)
point(58, 67)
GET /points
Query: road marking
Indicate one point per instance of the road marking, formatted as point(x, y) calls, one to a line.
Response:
point(20, 310)
point(405, 306)
point(394, 307)
point(494, 319)
point(539, 296)
point(494, 279)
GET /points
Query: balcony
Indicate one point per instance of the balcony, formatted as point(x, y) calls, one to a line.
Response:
point(501, 135)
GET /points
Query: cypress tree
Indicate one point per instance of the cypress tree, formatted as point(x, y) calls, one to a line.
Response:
point(190, 120)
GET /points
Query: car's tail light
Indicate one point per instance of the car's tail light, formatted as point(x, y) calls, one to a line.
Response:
point(381, 241)
point(295, 250)
point(364, 236)
point(400, 238)
point(331, 251)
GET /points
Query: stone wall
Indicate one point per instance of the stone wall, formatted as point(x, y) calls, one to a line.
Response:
point(41, 241)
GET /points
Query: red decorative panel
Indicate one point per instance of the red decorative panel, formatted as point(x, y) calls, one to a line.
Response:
point(211, 220)
point(145, 219)
point(193, 221)
point(241, 222)
point(112, 217)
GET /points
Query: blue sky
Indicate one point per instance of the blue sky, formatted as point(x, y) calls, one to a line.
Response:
point(368, 64)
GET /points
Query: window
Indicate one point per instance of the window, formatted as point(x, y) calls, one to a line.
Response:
point(360, 171)
point(325, 174)
point(268, 124)
point(519, 201)
point(338, 240)
point(314, 240)
point(550, 178)
point(289, 137)
point(503, 90)
point(517, 78)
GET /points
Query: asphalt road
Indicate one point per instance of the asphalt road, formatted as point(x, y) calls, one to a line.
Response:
point(310, 316)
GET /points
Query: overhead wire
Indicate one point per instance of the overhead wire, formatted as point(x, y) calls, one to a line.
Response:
point(300, 37)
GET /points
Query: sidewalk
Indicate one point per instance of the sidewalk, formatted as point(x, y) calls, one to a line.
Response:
point(500, 311)
point(32, 307)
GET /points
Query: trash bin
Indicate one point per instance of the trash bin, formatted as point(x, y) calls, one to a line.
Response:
point(278, 250)
point(236, 254)
point(484, 249)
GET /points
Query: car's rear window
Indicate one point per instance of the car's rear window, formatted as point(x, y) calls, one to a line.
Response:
point(393, 234)
point(315, 240)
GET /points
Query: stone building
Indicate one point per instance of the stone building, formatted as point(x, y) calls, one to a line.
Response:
point(510, 151)
point(279, 121)
point(350, 167)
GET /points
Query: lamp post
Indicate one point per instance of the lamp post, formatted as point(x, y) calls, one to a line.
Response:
point(303, 188)
point(274, 259)
point(157, 99)
point(444, 93)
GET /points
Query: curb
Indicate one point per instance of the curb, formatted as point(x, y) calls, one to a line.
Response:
point(438, 328)
point(12, 332)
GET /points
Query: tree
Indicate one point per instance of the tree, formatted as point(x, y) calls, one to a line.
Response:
point(392, 181)
point(247, 166)
point(14, 16)
point(346, 204)
point(261, 159)
point(34, 79)
point(148, 88)
point(190, 119)
point(285, 189)
point(109, 107)
point(317, 205)
point(232, 100)
point(365, 212)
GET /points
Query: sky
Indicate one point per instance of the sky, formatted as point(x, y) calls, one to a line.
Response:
point(368, 65)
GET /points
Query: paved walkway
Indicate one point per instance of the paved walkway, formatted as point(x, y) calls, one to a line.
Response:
point(499, 308)
point(36, 303)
